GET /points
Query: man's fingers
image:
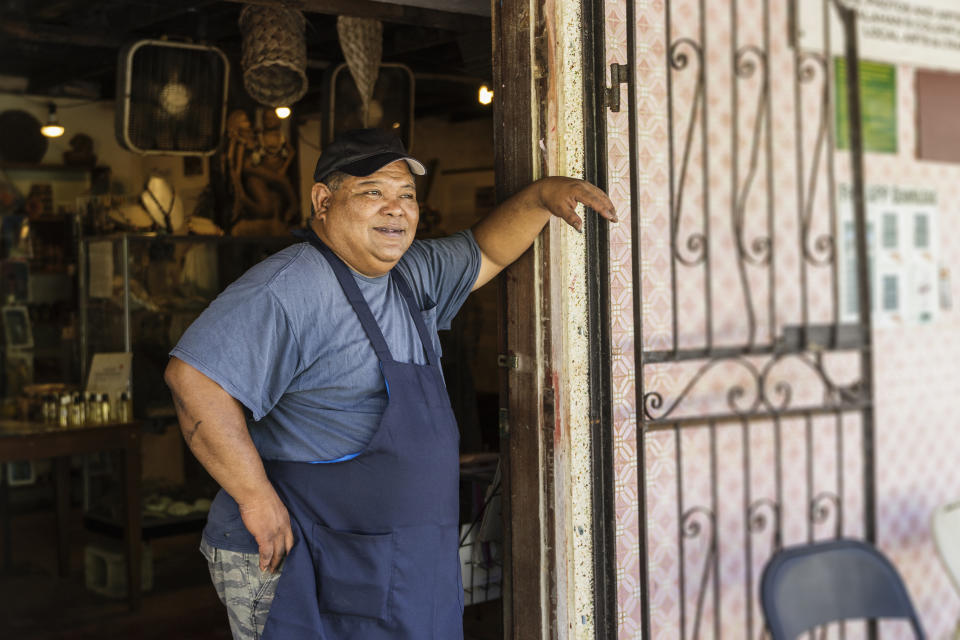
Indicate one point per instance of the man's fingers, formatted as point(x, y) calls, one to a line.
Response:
point(278, 554)
point(598, 201)
point(266, 555)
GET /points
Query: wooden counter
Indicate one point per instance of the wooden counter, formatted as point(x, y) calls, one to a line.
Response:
point(32, 440)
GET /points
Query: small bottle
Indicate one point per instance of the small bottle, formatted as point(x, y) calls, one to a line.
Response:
point(63, 417)
point(46, 414)
point(104, 403)
point(123, 408)
point(92, 408)
point(77, 413)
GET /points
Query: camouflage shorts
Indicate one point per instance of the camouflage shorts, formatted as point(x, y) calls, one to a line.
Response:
point(246, 591)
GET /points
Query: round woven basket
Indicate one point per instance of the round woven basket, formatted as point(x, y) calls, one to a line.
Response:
point(274, 56)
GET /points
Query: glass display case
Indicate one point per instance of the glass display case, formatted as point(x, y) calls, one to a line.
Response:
point(139, 292)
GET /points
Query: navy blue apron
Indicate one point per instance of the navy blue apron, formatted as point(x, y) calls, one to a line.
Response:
point(376, 551)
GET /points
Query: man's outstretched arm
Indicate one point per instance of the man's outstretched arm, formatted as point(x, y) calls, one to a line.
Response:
point(509, 230)
point(214, 427)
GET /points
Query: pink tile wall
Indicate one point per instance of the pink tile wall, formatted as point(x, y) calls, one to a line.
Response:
point(916, 395)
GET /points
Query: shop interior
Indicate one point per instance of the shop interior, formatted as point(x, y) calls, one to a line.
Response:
point(146, 161)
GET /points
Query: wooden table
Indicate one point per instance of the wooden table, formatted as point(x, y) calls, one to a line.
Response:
point(32, 440)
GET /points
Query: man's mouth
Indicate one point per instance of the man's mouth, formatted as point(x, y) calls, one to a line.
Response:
point(391, 231)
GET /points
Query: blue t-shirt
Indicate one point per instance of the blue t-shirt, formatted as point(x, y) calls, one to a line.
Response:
point(285, 342)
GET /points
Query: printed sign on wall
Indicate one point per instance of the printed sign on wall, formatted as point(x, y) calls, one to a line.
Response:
point(903, 247)
point(922, 33)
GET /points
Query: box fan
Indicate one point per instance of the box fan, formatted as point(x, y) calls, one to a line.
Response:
point(391, 106)
point(171, 98)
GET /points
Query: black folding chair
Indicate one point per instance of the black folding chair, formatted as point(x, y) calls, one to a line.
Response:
point(806, 586)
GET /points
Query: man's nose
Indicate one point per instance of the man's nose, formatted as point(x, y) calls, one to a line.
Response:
point(393, 206)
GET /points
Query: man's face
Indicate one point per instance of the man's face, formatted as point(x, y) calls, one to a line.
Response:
point(369, 221)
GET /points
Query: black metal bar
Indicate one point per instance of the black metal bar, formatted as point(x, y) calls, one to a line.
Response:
point(778, 479)
point(682, 577)
point(800, 174)
point(772, 264)
point(715, 502)
point(840, 482)
point(598, 331)
point(637, 293)
point(671, 172)
point(699, 420)
point(705, 159)
point(747, 533)
point(849, 19)
point(831, 169)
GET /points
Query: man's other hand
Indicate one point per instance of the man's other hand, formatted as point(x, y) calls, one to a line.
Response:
point(267, 519)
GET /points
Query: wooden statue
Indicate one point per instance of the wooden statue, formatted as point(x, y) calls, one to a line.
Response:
point(265, 202)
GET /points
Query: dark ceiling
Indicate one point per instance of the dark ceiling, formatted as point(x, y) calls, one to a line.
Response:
point(70, 47)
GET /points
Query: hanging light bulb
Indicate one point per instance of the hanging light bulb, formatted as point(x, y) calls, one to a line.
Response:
point(283, 112)
point(485, 96)
point(52, 129)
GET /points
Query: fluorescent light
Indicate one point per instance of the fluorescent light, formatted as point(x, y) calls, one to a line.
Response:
point(283, 112)
point(485, 96)
point(52, 129)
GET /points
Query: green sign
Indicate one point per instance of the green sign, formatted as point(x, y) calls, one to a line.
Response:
point(878, 105)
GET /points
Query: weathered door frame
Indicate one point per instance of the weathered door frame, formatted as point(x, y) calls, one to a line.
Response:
point(521, 414)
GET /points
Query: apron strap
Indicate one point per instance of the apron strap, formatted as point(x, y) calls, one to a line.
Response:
point(417, 315)
point(354, 296)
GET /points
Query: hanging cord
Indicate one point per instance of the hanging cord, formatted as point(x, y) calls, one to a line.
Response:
point(493, 494)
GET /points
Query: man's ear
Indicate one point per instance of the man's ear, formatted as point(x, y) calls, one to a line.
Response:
point(320, 197)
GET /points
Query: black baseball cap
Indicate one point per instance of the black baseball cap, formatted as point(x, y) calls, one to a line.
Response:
point(360, 152)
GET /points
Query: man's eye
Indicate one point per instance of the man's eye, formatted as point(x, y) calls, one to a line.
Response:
point(408, 195)
point(373, 192)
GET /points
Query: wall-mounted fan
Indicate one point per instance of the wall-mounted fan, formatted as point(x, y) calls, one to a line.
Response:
point(391, 106)
point(171, 98)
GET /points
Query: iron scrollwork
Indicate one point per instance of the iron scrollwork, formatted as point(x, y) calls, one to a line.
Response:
point(696, 243)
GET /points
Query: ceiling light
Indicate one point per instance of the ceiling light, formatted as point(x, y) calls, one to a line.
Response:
point(485, 96)
point(52, 129)
point(283, 112)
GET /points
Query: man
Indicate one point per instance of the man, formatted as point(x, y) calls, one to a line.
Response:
point(347, 470)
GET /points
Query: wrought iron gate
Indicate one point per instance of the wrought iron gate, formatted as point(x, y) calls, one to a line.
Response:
point(750, 340)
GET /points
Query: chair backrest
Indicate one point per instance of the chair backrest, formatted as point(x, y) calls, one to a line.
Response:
point(806, 586)
point(946, 537)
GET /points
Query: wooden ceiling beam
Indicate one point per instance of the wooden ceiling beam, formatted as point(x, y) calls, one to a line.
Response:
point(57, 35)
point(385, 11)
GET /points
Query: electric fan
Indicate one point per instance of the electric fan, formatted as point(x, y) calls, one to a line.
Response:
point(391, 106)
point(171, 98)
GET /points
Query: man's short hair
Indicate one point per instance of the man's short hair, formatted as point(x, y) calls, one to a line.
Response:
point(334, 180)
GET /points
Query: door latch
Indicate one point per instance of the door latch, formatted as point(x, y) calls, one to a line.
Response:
point(508, 361)
point(619, 74)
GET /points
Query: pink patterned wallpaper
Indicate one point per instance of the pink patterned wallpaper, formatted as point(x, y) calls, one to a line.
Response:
point(915, 396)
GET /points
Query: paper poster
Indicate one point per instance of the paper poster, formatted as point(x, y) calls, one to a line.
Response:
point(921, 33)
point(110, 373)
point(903, 261)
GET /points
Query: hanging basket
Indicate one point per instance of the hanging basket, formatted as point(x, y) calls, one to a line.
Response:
point(274, 56)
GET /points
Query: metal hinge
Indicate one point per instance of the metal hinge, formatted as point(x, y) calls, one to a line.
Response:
point(619, 74)
point(504, 423)
point(508, 361)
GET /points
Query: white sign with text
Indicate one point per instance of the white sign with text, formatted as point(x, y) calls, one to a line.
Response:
point(921, 33)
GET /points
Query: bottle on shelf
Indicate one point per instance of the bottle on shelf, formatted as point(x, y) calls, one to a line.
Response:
point(63, 415)
point(124, 408)
point(103, 402)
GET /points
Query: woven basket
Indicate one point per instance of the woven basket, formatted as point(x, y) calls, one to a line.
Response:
point(274, 56)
